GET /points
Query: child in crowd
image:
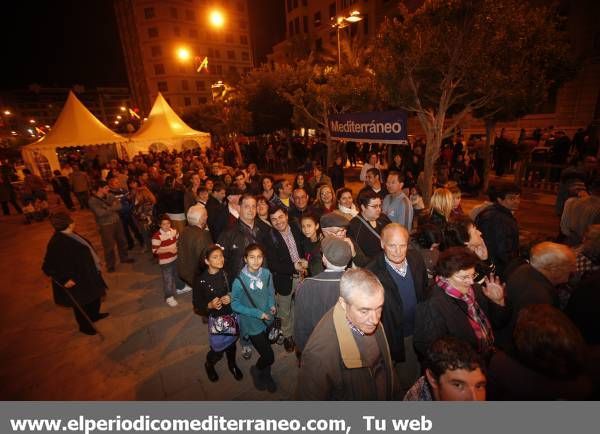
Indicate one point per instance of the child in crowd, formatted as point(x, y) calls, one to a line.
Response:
point(312, 244)
point(417, 201)
point(164, 247)
point(253, 298)
point(211, 298)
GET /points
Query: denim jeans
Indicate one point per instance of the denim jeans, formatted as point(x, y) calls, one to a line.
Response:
point(169, 277)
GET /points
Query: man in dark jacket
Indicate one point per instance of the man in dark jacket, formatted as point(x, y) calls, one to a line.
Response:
point(191, 246)
point(216, 206)
point(347, 356)
point(74, 266)
point(246, 231)
point(403, 275)
point(374, 184)
point(499, 227)
point(284, 256)
point(316, 295)
point(550, 264)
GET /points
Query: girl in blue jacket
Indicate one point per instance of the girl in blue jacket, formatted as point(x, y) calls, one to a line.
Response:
point(253, 298)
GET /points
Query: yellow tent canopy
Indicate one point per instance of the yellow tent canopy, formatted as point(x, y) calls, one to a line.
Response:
point(76, 126)
point(164, 130)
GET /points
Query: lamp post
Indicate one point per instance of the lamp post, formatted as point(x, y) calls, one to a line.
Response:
point(340, 23)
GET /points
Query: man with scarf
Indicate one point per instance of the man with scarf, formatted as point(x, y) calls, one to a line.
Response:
point(74, 267)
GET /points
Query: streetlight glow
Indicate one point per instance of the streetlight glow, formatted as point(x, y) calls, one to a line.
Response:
point(341, 23)
point(354, 17)
point(7, 112)
point(216, 18)
point(32, 121)
point(123, 108)
point(183, 54)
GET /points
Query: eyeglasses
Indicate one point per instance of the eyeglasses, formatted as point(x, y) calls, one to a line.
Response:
point(466, 278)
point(378, 206)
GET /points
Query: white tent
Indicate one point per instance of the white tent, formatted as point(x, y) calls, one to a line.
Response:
point(75, 126)
point(164, 130)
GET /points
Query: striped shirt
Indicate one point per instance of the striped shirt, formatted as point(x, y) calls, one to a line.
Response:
point(165, 239)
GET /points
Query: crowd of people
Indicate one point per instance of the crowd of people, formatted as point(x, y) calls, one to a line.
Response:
point(379, 297)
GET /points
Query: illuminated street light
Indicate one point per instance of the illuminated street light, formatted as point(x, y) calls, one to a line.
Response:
point(340, 23)
point(354, 17)
point(7, 112)
point(216, 18)
point(183, 54)
point(32, 121)
point(123, 108)
point(119, 117)
point(116, 122)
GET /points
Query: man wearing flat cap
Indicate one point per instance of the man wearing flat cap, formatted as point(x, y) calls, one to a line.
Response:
point(334, 224)
point(317, 294)
point(74, 266)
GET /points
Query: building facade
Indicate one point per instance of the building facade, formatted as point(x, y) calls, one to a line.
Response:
point(27, 111)
point(310, 27)
point(174, 47)
point(311, 24)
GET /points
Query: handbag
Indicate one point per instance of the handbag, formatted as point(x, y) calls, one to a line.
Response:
point(223, 325)
point(273, 327)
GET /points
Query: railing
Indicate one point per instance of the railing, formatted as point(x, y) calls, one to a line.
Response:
point(540, 175)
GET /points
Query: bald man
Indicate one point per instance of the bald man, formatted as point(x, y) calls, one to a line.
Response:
point(192, 244)
point(403, 274)
point(550, 265)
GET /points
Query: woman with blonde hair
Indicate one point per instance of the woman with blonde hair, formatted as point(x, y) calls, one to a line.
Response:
point(325, 201)
point(442, 203)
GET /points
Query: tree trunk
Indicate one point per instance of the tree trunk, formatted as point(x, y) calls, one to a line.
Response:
point(490, 136)
point(331, 149)
point(434, 131)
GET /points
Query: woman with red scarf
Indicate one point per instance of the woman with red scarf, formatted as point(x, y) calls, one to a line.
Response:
point(459, 307)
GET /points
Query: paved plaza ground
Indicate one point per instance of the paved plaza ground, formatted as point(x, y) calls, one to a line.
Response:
point(148, 351)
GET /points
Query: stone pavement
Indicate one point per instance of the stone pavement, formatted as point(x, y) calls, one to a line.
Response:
point(149, 351)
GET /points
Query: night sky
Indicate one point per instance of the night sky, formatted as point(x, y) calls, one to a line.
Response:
point(67, 42)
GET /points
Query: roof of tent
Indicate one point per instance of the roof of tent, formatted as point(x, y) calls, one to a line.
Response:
point(163, 123)
point(76, 126)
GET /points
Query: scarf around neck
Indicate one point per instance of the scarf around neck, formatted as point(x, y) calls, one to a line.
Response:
point(478, 320)
point(256, 282)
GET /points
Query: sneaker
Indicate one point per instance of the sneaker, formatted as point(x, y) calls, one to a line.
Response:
point(246, 352)
point(275, 335)
point(186, 288)
point(171, 301)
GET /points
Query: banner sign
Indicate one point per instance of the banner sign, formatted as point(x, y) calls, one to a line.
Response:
point(228, 417)
point(381, 127)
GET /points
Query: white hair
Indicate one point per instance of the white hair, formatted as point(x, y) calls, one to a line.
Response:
point(195, 213)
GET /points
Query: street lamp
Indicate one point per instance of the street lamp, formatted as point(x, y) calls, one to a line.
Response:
point(340, 23)
point(216, 18)
point(183, 54)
